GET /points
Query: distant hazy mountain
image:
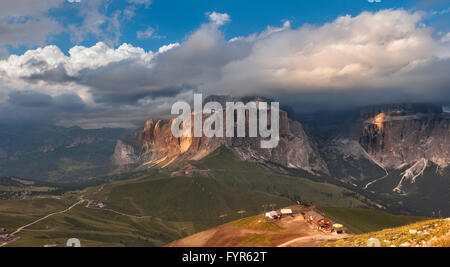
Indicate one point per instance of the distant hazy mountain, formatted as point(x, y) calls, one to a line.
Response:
point(56, 153)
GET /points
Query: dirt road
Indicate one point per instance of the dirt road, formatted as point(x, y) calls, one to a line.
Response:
point(43, 218)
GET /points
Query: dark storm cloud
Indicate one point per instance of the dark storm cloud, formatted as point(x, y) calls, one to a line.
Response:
point(125, 82)
point(64, 102)
point(28, 107)
point(69, 103)
point(30, 99)
point(52, 75)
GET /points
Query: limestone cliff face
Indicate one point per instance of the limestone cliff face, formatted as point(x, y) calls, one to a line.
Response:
point(403, 135)
point(156, 146)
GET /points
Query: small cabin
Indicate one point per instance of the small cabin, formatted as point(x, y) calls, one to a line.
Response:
point(272, 214)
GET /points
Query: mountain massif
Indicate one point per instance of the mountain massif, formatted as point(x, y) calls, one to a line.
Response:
point(397, 152)
point(156, 146)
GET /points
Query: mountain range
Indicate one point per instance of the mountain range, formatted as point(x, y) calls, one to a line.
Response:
point(396, 154)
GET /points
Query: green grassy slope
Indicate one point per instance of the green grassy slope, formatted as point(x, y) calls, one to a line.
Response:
point(229, 186)
point(15, 213)
point(94, 227)
point(360, 221)
point(201, 200)
point(250, 176)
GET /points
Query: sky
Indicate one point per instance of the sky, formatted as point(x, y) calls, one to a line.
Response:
point(115, 63)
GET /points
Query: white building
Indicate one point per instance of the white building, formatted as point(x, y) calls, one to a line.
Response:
point(271, 214)
point(286, 212)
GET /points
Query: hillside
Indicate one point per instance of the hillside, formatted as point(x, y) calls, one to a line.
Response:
point(290, 231)
point(206, 193)
point(254, 232)
point(359, 221)
point(430, 233)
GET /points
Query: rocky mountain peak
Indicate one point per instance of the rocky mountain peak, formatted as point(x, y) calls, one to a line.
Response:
point(155, 145)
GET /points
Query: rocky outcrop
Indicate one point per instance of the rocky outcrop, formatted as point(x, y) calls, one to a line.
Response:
point(156, 146)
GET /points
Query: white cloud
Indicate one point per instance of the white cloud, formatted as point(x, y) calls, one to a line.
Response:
point(26, 22)
point(446, 38)
point(165, 48)
point(96, 22)
point(48, 70)
point(372, 50)
point(218, 18)
point(49, 58)
point(147, 34)
point(27, 8)
point(32, 32)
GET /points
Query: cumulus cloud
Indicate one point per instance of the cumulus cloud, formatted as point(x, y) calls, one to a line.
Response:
point(367, 51)
point(387, 56)
point(218, 18)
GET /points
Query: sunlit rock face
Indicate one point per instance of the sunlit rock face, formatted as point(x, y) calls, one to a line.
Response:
point(156, 146)
point(399, 135)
